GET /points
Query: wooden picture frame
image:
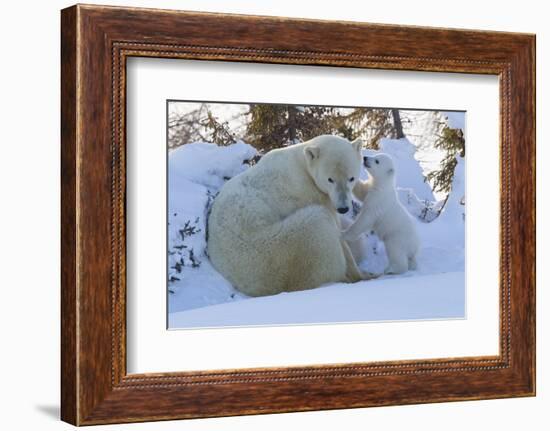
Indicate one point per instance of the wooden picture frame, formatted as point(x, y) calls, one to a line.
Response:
point(95, 43)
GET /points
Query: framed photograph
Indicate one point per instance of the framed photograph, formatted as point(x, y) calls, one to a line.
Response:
point(264, 214)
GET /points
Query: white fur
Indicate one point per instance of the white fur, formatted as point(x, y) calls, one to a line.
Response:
point(358, 247)
point(383, 213)
point(275, 228)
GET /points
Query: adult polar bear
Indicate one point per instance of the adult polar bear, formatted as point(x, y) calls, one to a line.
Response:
point(275, 228)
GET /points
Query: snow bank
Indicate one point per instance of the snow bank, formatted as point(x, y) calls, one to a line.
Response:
point(412, 189)
point(455, 206)
point(208, 164)
point(195, 173)
point(448, 230)
point(423, 210)
point(422, 297)
point(408, 171)
point(423, 129)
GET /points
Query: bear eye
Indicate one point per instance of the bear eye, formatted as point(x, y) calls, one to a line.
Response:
point(377, 162)
point(330, 180)
point(351, 179)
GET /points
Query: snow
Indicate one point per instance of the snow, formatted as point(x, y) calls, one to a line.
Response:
point(422, 297)
point(195, 173)
point(408, 171)
point(412, 189)
point(447, 232)
point(203, 298)
point(208, 164)
point(422, 128)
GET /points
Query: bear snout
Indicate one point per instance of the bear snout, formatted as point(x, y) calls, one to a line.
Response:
point(366, 162)
point(343, 210)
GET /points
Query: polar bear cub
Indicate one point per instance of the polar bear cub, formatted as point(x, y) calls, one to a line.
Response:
point(385, 215)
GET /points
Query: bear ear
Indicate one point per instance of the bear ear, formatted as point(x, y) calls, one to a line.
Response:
point(312, 152)
point(357, 145)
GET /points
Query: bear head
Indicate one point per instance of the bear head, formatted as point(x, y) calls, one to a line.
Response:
point(334, 164)
point(379, 166)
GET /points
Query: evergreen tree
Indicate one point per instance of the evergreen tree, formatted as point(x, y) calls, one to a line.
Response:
point(274, 126)
point(218, 133)
point(452, 142)
point(372, 124)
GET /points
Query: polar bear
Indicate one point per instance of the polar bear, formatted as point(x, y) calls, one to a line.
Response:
point(275, 227)
point(383, 213)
